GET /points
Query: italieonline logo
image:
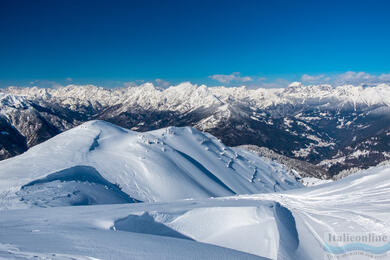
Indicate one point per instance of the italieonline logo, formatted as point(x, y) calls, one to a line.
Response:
point(356, 245)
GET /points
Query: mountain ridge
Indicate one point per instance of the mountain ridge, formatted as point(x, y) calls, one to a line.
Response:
point(319, 124)
point(162, 165)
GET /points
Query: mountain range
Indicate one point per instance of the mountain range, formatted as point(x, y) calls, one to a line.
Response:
point(333, 128)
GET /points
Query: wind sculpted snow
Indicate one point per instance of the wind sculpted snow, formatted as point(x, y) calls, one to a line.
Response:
point(287, 225)
point(78, 185)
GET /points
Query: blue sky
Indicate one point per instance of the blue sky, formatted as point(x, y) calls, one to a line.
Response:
point(265, 43)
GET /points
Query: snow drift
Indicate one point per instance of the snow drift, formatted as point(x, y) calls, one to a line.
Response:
point(285, 225)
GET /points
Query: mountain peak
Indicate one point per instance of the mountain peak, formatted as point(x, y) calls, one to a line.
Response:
point(295, 84)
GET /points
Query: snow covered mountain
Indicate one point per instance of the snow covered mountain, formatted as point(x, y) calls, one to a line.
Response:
point(285, 225)
point(100, 163)
point(335, 127)
point(302, 168)
point(214, 202)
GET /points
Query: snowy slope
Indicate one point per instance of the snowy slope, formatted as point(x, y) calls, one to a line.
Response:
point(99, 232)
point(287, 225)
point(129, 232)
point(75, 167)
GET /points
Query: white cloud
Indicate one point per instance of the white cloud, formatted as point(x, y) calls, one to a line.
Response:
point(131, 84)
point(162, 83)
point(157, 82)
point(349, 77)
point(46, 84)
point(385, 77)
point(356, 78)
point(277, 83)
point(314, 78)
point(234, 77)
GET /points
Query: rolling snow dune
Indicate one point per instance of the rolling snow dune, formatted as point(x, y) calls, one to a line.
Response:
point(75, 167)
point(173, 230)
point(107, 232)
point(286, 225)
point(358, 203)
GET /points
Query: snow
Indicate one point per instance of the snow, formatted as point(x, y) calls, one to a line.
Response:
point(14, 101)
point(78, 185)
point(287, 225)
point(187, 97)
point(295, 84)
point(176, 170)
point(78, 233)
point(162, 165)
point(312, 181)
point(211, 109)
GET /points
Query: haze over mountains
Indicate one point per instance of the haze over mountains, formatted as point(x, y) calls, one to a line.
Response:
point(336, 128)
